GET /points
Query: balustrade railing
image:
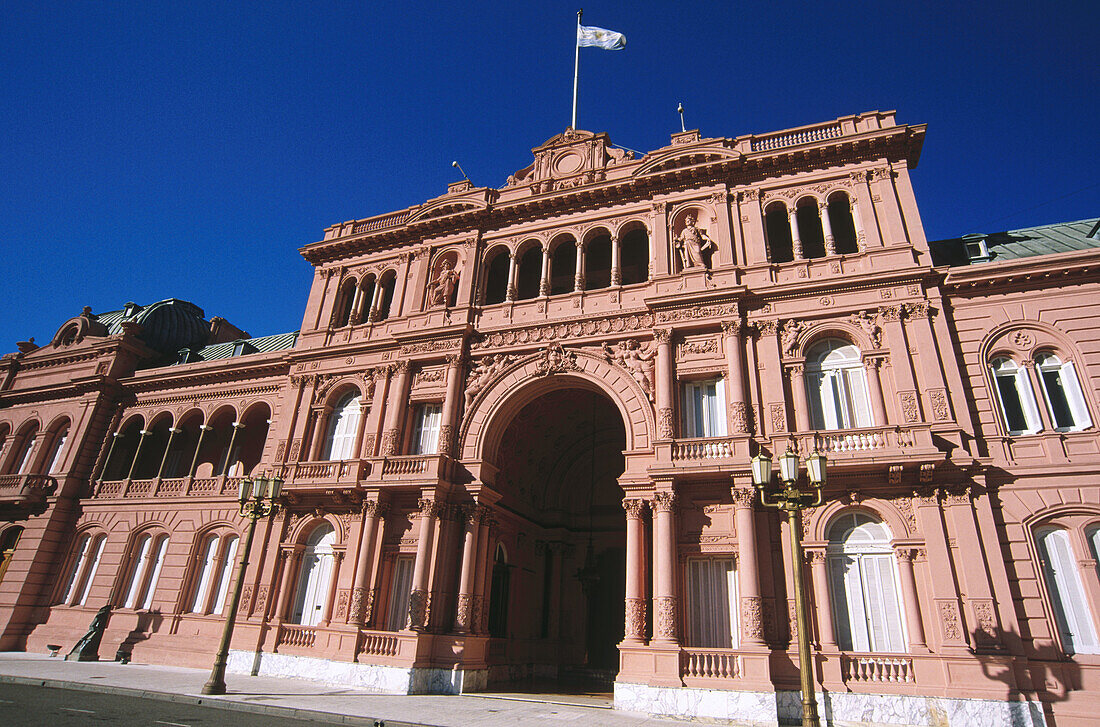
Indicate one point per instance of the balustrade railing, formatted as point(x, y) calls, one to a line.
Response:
point(294, 635)
point(843, 444)
point(327, 472)
point(877, 669)
point(414, 465)
point(26, 485)
point(696, 449)
point(791, 138)
point(167, 487)
point(140, 488)
point(710, 663)
point(379, 644)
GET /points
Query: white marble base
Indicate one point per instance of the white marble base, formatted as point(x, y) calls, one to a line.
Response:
point(382, 679)
point(839, 709)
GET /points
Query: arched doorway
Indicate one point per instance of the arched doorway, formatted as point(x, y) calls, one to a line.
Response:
point(558, 460)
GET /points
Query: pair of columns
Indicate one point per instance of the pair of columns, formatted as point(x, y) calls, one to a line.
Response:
point(871, 366)
point(579, 276)
point(375, 303)
point(822, 209)
point(665, 602)
point(364, 586)
point(292, 561)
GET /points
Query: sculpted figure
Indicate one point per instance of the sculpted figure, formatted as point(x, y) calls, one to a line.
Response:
point(443, 287)
point(87, 649)
point(692, 243)
point(790, 337)
point(870, 326)
point(482, 372)
point(637, 360)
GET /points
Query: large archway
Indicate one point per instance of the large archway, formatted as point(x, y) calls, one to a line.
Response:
point(558, 460)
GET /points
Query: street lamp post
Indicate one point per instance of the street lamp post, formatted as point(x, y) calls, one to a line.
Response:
point(257, 499)
point(794, 500)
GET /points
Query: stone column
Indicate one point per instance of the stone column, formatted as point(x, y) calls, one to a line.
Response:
point(395, 411)
point(635, 571)
point(237, 427)
point(909, 404)
point(801, 401)
point(464, 621)
point(616, 261)
point(665, 385)
point(172, 432)
point(482, 566)
point(510, 294)
point(359, 591)
point(451, 404)
point(418, 598)
point(356, 302)
point(861, 236)
point(666, 611)
point(579, 277)
point(874, 390)
point(796, 241)
point(133, 463)
point(913, 621)
point(290, 560)
point(375, 300)
point(822, 602)
point(735, 378)
point(544, 280)
point(333, 586)
point(372, 427)
point(826, 228)
point(203, 429)
point(752, 605)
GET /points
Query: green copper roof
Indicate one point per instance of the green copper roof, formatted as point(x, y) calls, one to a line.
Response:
point(263, 344)
point(166, 326)
point(1015, 244)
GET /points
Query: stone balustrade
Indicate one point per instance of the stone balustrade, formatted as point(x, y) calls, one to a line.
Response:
point(700, 663)
point(326, 473)
point(166, 487)
point(302, 637)
point(379, 644)
point(865, 443)
point(875, 668)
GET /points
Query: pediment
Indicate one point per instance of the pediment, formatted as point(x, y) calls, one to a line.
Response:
point(445, 207)
point(679, 159)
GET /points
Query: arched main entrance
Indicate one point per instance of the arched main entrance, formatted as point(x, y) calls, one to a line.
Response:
point(558, 460)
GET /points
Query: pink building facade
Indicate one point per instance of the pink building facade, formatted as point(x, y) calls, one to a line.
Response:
point(515, 431)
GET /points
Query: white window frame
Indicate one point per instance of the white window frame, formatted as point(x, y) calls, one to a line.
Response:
point(145, 570)
point(429, 417)
point(1064, 375)
point(397, 612)
point(58, 445)
point(343, 428)
point(228, 552)
point(1004, 369)
point(712, 598)
point(1073, 615)
point(836, 387)
point(865, 589)
point(703, 408)
point(209, 553)
point(314, 577)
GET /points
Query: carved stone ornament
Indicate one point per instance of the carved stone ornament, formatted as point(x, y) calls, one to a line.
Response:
point(464, 614)
point(634, 508)
point(752, 617)
point(949, 620)
point(766, 327)
point(693, 246)
point(636, 359)
point(418, 609)
point(665, 423)
point(554, 359)
point(938, 399)
point(791, 331)
point(909, 408)
point(743, 496)
point(723, 310)
point(739, 417)
point(870, 324)
point(635, 618)
point(665, 617)
point(441, 289)
point(664, 502)
point(779, 417)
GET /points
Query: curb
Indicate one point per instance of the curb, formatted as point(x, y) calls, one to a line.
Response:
point(312, 715)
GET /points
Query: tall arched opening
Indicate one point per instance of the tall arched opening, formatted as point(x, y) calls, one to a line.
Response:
point(563, 562)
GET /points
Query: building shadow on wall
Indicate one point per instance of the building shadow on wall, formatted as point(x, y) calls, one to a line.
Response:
point(1048, 681)
point(148, 623)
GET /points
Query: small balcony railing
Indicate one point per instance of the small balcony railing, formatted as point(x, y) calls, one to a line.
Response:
point(411, 468)
point(166, 487)
point(856, 444)
point(25, 494)
point(302, 637)
point(877, 669)
point(347, 473)
point(698, 663)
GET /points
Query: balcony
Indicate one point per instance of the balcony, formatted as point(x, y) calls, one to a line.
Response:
point(411, 469)
point(324, 474)
point(166, 487)
point(24, 495)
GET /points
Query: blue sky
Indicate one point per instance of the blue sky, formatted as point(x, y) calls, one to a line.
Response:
point(152, 150)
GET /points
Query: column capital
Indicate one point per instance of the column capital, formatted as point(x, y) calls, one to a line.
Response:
point(662, 335)
point(634, 507)
point(743, 496)
point(732, 328)
point(664, 502)
point(428, 508)
point(401, 366)
point(905, 555)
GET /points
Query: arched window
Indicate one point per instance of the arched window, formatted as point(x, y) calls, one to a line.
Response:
point(862, 573)
point(496, 280)
point(1070, 604)
point(634, 256)
point(147, 559)
point(712, 603)
point(57, 446)
point(842, 224)
point(341, 315)
point(529, 274)
point(498, 596)
point(563, 267)
point(85, 563)
point(217, 557)
point(1062, 391)
point(1016, 398)
point(366, 297)
point(836, 386)
point(777, 229)
point(809, 229)
point(8, 540)
point(597, 262)
point(343, 428)
point(385, 300)
point(24, 448)
point(315, 577)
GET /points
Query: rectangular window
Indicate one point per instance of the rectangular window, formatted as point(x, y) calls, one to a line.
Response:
point(703, 409)
point(400, 587)
point(426, 436)
point(712, 603)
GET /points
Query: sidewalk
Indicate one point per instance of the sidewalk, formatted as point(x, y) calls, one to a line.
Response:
point(303, 699)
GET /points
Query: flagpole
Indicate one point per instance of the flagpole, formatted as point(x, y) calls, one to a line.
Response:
point(576, 68)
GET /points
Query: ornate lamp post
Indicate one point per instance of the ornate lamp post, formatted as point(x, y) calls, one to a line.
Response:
point(257, 498)
point(794, 500)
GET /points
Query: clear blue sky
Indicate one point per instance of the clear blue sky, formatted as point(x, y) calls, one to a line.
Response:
point(188, 149)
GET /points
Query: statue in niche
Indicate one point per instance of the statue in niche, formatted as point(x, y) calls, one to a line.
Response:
point(441, 290)
point(694, 246)
point(637, 360)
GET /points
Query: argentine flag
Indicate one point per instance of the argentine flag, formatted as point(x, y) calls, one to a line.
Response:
point(589, 36)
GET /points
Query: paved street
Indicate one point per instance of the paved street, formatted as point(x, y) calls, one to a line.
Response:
point(30, 706)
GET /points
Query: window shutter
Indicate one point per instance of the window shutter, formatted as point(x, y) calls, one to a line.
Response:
point(1071, 609)
point(202, 584)
point(227, 563)
point(399, 593)
point(87, 584)
point(58, 445)
point(846, 613)
point(78, 564)
point(831, 401)
point(732, 599)
point(887, 632)
point(137, 571)
point(1027, 400)
point(859, 401)
point(719, 409)
point(815, 390)
point(1076, 396)
point(158, 563)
